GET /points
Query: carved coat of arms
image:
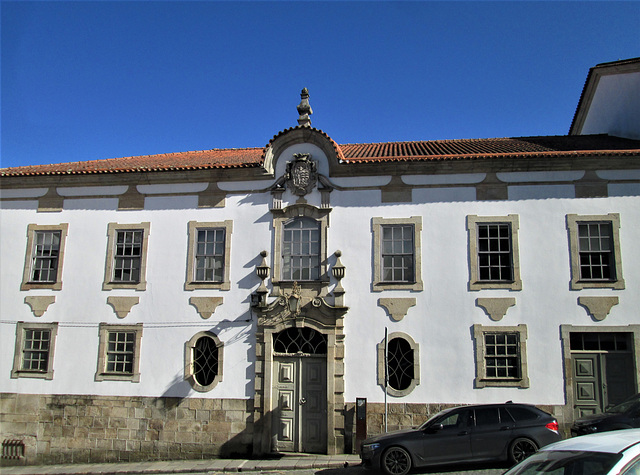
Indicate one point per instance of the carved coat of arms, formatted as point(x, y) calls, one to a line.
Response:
point(302, 174)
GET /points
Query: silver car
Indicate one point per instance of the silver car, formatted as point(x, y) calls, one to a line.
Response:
point(606, 453)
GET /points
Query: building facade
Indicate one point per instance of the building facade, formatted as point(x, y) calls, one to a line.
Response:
point(240, 301)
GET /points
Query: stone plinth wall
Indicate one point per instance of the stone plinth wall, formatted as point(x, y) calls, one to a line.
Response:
point(81, 429)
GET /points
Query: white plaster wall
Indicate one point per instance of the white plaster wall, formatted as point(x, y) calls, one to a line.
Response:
point(615, 108)
point(440, 322)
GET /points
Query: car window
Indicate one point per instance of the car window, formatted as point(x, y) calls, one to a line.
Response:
point(633, 469)
point(522, 413)
point(456, 419)
point(566, 463)
point(505, 417)
point(487, 416)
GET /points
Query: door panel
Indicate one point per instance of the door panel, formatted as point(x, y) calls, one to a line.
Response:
point(619, 377)
point(287, 410)
point(314, 405)
point(452, 441)
point(489, 436)
point(587, 384)
point(301, 413)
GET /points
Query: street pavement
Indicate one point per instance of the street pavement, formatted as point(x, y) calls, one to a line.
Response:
point(298, 464)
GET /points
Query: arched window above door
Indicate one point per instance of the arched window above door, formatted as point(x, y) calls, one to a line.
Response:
point(300, 341)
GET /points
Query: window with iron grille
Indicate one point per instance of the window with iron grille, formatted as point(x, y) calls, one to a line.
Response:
point(301, 250)
point(494, 261)
point(300, 340)
point(399, 367)
point(494, 252)
point(400, 363)
point(45, 252)
point(398, 253)
point(128, 255)
point(33, 357)
point(595, 246)
point(501, 356)
point(204, 361)
point(119, 353)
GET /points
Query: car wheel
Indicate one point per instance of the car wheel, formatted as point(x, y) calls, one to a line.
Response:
point(521, 448)
point(396, 461)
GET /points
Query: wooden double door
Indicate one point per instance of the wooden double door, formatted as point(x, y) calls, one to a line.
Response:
point(601, 380)
point(300, 387)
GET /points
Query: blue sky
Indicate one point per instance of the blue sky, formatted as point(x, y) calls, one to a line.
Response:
point(102, 79)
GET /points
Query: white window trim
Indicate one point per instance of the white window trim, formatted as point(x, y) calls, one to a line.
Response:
point(27, 284)
point(379, 284)
point(474, 275)
point(482, 381)
point(572, 227)
point(101, 373)
point(17, 371)
point(108, 283)
point(191, 283)
point(189, 373)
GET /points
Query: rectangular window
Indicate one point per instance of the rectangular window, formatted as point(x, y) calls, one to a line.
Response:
point(126, 256)
point(596, 251)
point(397, 249)
point(501, 356)
point(210, 255)
point(33, 357)
point(119, 353)
point(301, 250)
point(594, 242)
point(397, 253)
point(494, 252)
point(43, 262)
point(45, 256)
point(494, 261)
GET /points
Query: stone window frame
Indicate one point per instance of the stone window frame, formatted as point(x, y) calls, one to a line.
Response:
point(112, 229)
point(21, 328)
point(27, 283)
point(481, 380)
point(572, 226)
point(194, 226)
point(416, 364)
point(377, 224)
point(280, 218)
point(474, 274)
point(189, 373)
point(101, 373)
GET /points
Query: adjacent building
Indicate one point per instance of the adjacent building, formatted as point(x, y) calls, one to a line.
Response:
point(240, 301)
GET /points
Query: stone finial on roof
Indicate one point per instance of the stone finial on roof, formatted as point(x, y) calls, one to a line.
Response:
point(304, 109)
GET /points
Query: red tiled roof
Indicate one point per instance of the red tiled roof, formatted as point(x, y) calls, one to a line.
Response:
point(555, 146)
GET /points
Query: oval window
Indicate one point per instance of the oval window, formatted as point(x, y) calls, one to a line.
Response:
point(205, 361)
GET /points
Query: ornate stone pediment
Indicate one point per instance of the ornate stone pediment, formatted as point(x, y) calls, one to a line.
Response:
point(297, 305)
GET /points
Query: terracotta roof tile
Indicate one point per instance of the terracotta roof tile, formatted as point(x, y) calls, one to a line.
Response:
point(351, 153)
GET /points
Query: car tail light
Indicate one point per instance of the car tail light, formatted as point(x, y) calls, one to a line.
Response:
point(553, 426)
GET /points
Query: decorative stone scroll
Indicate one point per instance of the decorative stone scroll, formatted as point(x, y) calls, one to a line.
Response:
point(122, 305)
point(496, 308)
point(598, 307)
point(206, 305)
point(39, 303)
point(397, 307)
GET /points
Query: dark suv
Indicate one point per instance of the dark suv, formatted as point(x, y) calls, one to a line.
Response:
point(489, 432)
point(625, 415)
